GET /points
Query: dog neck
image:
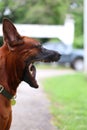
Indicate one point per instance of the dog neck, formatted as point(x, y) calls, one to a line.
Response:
point(10, 75)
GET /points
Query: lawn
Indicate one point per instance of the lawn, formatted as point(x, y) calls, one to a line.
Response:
point(68, 96)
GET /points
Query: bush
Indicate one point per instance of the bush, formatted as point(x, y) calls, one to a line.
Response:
point(79, 42)
point(1, 41)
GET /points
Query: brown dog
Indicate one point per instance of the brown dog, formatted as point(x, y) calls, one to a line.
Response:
point(17, 56)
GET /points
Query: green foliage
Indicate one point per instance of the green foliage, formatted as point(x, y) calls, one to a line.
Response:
point(78, 23)
point(44, 12)
point(79, 42)
point(32, 11)
point(68, 97)
point(78, 17)
point(1, 41)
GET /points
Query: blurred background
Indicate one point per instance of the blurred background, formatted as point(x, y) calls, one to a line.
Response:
point(58, 25)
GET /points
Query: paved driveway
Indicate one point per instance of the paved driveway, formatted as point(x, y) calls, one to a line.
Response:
point(32, 109)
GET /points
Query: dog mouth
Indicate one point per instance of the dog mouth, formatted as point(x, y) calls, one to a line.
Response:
point(32, 75)
point(29, 74)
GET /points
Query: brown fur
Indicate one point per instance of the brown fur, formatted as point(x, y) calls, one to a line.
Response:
point(16, 56)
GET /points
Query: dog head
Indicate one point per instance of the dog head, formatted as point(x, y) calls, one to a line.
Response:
point(22, 52)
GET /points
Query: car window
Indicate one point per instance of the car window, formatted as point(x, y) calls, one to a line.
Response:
point(60, 47)
point(63, 49)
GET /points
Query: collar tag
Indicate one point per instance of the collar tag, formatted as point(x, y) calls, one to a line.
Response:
point(13, 101)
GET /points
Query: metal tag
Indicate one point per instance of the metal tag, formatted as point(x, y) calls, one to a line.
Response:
point(13, 101)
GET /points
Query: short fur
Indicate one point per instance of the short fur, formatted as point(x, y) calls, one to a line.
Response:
point(17, 56)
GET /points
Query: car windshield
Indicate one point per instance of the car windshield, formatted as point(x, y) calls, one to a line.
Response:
point(60, 47)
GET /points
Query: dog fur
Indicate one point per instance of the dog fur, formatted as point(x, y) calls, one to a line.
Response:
point(17, 56)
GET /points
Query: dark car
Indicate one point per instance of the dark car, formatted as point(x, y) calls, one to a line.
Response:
point(70, 56)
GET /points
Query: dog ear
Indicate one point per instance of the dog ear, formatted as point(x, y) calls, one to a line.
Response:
point(11, 36)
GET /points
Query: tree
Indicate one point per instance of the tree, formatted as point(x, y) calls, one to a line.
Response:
point(40, 11)
point(45, 12)
point(13, 9)
point(77, 11)
point(34, 11)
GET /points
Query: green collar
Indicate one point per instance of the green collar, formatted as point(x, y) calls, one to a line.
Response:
point(4, 92)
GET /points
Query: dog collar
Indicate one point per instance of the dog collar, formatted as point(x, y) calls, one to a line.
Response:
point(5, 93)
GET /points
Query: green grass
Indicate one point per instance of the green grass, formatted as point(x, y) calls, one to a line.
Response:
point(68, 95)
point(51, 66)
